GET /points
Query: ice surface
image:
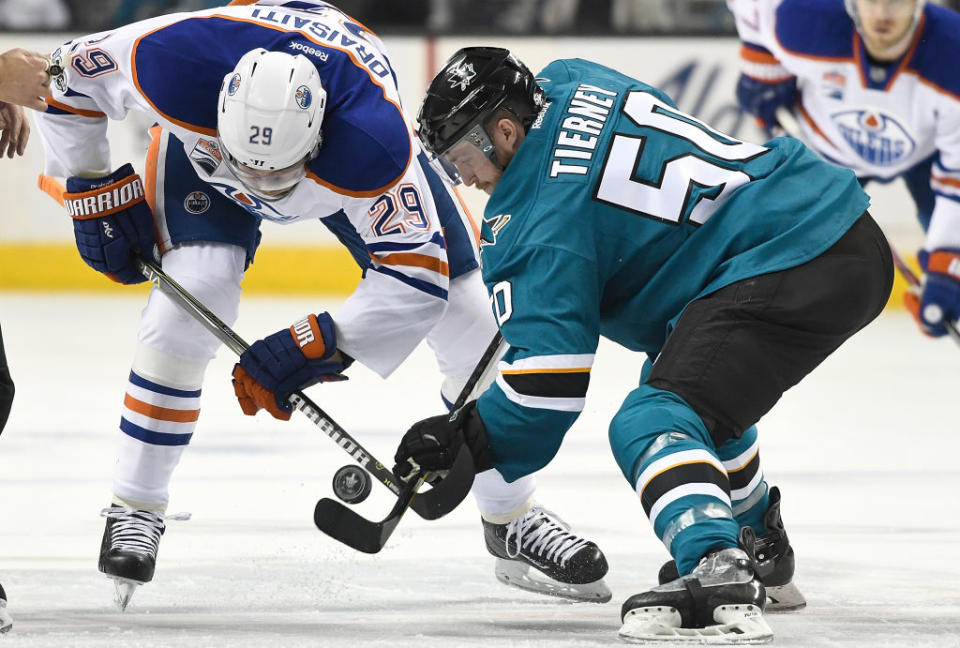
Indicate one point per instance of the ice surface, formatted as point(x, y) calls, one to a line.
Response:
point(865, 451)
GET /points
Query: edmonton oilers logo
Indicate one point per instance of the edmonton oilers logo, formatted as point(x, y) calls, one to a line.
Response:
point(197, 202)
point(304, 97)
point(234, 85)
point(878, 138)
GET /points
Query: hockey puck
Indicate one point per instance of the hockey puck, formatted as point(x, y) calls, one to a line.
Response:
point(351, 484)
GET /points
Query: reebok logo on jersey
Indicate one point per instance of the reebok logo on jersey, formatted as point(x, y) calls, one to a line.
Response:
point(312, 51)
point(105, 200)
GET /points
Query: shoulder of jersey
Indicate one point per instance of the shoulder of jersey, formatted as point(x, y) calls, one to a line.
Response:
point(815, 29)
point(938, 50)
point(366, 149)
point(178, 67)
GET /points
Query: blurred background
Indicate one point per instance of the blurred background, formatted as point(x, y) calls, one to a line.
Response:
point(533, 17)
point(688, 48)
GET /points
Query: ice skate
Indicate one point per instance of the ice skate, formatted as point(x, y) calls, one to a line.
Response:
point(720, 602)
point(6, 621)
point(537, 552)
point(128, 551)
point(775, 562)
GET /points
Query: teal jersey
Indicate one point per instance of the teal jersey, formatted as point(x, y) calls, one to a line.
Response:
point(616, 212)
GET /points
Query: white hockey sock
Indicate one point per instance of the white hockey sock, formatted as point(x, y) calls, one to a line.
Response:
point(499, 501)
point(160, 412)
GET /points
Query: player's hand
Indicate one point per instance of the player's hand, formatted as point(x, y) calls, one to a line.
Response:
point(15, 130)
point(111, 221)
point(431, 445)
point(761, 99)
point(23, 79)
point(287, 361)
point(939, 298)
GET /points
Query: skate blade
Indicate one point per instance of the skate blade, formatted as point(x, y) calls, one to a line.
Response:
point(123, 591)
point(784, 598)
point(736, 625)
point(519, 574)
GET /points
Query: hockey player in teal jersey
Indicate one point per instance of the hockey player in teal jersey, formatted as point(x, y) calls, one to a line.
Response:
point(737, 267)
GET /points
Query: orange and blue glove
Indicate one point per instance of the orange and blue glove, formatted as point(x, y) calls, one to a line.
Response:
point(111, 221)
point(938, 299)
point(761, 98)
point(287, 361)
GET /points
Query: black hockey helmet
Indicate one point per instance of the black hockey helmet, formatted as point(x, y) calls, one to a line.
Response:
point(473, 84)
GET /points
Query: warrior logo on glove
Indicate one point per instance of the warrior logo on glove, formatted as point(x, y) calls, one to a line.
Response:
point(106, 200)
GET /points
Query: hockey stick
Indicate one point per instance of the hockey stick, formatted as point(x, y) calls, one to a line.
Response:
point(354, 530)
point(789, 124)
point(298, 399)
point(426, 509)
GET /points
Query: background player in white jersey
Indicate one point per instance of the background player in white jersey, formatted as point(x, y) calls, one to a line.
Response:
point(876, 89)
point(23, 82)
point(291, 112)
point(737, 268)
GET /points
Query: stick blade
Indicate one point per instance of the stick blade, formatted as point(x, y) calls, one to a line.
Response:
point(350, 528)
point(447, 494)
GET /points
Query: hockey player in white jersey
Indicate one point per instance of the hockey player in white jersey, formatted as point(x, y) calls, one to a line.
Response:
point(285, 111)
point(875, 88)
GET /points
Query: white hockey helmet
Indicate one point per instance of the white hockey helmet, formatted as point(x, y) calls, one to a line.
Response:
point(268, 120)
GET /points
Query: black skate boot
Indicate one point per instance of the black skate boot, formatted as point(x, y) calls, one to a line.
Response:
point(6, 621)
point(128, 551)
point(775, 562)
point(564, 564)
point(720, 602)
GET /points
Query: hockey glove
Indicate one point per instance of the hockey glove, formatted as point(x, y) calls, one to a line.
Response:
point(111, 220)
point(431, 445)
point(761, 99)
point(939, 298)
point(287, 361)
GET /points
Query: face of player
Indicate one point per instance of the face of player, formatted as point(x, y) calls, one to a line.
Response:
point(884, 23)
point(474, 166)
point(269, 185)
point(480, 157)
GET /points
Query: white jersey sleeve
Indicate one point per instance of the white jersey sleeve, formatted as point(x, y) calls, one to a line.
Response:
point(944, 229)
point(755, 23)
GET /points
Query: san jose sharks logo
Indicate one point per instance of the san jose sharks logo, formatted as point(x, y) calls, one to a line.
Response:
point(491, 227)
point(461, 75)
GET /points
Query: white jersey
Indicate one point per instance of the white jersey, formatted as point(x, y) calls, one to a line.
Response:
point(369, 169)
point(879, 121)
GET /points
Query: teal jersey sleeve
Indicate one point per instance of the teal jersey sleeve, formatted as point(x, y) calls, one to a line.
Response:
point(546, 300)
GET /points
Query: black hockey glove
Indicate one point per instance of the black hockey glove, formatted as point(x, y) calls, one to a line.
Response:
point(432, 444)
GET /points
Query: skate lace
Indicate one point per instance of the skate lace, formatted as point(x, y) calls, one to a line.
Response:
point(137, 531)
point(551, 538)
